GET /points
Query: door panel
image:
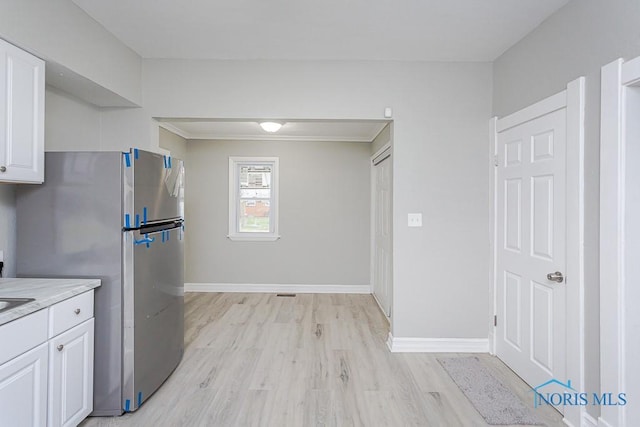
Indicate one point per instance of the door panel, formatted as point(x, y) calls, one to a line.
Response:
point(23, 389)
point(513, 214)
point(542, 336)
point(531, 327)
point(542, 211)
point(382, 269)
point(71, 376)
point(513, 319)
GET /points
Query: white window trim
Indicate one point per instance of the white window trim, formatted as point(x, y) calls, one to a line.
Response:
point(234, 234)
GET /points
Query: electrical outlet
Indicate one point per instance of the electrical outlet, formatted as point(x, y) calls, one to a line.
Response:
point(415, 220)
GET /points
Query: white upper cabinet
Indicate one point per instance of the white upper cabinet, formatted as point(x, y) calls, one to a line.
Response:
point(21, 115)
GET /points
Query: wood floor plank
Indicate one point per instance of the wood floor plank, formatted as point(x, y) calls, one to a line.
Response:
point(308, 360)
point(252, 412)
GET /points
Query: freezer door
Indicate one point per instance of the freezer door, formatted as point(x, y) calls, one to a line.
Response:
point(153, 311)
point(156, 183)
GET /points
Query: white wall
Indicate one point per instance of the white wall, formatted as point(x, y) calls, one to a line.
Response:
point(440, 160)
point(123, 128)
point(70, 124)
point(59, 31)
point(576, 41)
point(74, 125)
point(323, 214)
point(175, 144)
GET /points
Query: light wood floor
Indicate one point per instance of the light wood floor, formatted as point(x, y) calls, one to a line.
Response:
point(309, 360)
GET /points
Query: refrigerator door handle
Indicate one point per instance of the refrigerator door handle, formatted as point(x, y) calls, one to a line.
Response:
point(156, 226)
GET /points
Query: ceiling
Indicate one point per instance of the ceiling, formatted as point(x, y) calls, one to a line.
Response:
point(298, 130)
point(408, 30)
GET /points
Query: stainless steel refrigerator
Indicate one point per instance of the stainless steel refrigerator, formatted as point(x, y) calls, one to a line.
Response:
point(118, 217)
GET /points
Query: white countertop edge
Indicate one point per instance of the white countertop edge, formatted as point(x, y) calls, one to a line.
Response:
point(46, 292)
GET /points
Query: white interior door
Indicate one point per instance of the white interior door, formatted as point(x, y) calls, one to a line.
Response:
point(382, 267)
point(531, 243)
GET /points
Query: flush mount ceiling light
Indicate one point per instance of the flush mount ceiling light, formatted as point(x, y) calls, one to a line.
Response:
point(271, 126)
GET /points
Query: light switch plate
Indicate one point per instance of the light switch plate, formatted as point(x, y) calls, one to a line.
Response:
point(415, 220)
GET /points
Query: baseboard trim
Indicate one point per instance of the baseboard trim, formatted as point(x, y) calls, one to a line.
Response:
point(437, 345)
point(492, 342)
point(274, 288)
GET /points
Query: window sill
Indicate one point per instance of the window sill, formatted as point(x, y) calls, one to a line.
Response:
point(253, 238)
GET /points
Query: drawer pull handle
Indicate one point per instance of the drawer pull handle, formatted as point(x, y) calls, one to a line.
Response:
point(60, 347)
point(76, 311)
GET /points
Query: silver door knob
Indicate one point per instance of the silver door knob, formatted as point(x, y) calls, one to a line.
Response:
point(60, 347)
point(555, 277)
point(3, 168)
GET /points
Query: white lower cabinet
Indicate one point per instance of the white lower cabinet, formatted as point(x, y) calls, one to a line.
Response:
point(46, 379)
point(71, 376)
point(23, 389)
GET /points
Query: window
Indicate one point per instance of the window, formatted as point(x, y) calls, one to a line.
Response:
point(253, 198)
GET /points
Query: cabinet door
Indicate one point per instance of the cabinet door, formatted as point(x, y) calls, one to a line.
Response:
point(23, 389)
point(21, 115)
point(71, 376)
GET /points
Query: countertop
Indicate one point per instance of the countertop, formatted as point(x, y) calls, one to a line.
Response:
point(45, 291)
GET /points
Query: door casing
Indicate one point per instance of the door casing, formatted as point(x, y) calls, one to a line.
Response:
point(619, 243)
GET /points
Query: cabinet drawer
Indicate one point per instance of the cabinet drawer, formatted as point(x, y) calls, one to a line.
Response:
point(69, 313)
point(22, 334)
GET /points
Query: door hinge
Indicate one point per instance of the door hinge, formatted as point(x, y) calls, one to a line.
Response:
point(495, 161)
point(495, 320)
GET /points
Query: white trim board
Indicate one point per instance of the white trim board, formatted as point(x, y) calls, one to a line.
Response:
point(437, 345)
point(493, 229)
point(539, 109)
point(575, 229)
point(274, 288)
point(173, 129)
point(619, 243)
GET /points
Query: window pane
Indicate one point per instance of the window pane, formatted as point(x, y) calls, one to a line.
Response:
point(255, 193)
point(255, 176)
point(254, 217)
